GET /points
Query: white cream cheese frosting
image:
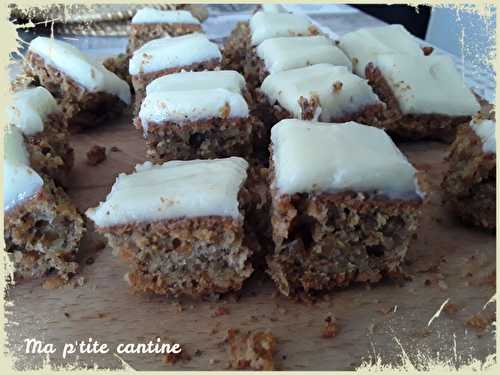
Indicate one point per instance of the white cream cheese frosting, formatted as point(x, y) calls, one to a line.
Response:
point(485, 130)
point(281, 54)
point(209, 79)
point(167, 52)
point(353, 93)
point(151, 15)
point(175, 189)
point(20, 181)
point(265, 25)
point(312, 157)
point(427, 85)
point(364, 45)
point(30, 108)
point(191, 105)
point(73, 63)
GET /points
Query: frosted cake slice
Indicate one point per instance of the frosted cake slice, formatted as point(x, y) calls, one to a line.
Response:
point(319, 92)
point(36, 114)
point(87, 92)
point(470, 182)
point(262, 26)
point(159, 57)
point(345, 204)
point(180, 226)
point(426, 96)
point(42, 228)
point(198, 115)
point(279, 54)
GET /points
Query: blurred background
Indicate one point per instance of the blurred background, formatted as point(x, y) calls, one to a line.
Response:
point(464, 34)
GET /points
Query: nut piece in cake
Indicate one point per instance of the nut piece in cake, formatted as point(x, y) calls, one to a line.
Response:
point(159, 57)
point(426, 96)
point(42, 229)
point(36, 114)
point(149, 23)
point(345, 203)
point(469, 185)
point(364, 45)
point(198, 115)
point(279, 54)
point(87, 92)
point(251, 350)
point(319, 92)
point(180, 226)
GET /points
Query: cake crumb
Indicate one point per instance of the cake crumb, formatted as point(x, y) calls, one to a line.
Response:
point(114, 149)
point(330, 328)
point(219, 311)
point(478, 322)
point(178, 306)
point(450, 308)
point(173, 358)
point(215, 329)
point(53, 282)
point(251, 350)
point(96, 155)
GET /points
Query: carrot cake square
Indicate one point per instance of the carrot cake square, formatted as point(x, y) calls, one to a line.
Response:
point(426, 96)
point(262, 26)
point(338, 216)
point(198, 115)
point(149, 23)
point(279, 54)
point(87, 92)
point(159, 57)
point(364, 45)
point(469, 184)
point(318, 92)
point(36, 114)
point(180, 226)
point(42, 228)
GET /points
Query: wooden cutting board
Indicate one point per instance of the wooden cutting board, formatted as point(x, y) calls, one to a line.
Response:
point(448, 261)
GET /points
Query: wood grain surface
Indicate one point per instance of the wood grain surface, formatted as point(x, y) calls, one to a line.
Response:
point(447, 261)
